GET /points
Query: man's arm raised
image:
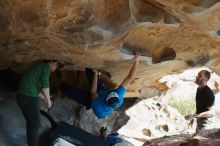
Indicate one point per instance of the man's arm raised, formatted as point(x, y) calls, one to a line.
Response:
point(93, 90)
point(132, 71)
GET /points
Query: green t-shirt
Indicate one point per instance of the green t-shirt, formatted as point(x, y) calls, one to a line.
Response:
point(34, 79)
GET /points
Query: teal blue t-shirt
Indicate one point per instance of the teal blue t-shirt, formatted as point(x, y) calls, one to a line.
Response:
point(99, 106)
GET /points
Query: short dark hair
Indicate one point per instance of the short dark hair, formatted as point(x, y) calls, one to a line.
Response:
point(206, 73)
point(113, 102)
point(112, 99)
point(50, 60)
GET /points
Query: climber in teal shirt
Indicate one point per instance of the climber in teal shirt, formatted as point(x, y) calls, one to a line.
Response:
point(104, 102)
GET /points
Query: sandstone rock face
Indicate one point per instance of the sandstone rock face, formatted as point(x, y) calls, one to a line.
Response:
point(204, 137)
point(151, 119)
point(171, 35)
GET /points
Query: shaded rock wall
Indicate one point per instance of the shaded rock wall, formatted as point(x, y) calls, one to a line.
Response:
point(137, 121)
point(204, 137)
point(101, 34)
point(150, 118)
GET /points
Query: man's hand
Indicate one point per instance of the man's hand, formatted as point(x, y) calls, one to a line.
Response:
point(191, 123)
point(49, 104)
point(136, 56)
point(93, 90)
point(189, 117)
point(216, 85)
point(46, 101)
point(46, 93)
point(96, 73)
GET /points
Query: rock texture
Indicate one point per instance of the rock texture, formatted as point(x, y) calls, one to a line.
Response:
point(12, 123)
point(138, 121)
point(171, 35)
point(203, 138)
point(150, 118)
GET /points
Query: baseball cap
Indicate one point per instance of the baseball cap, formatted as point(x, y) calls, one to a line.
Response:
point(112, 99)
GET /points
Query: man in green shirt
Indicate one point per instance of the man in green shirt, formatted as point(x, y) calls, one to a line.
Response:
point(35, 84)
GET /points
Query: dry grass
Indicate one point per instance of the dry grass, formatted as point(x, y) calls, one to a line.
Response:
point(185, 107)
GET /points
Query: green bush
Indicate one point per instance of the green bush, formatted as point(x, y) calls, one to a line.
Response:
point(184, 106)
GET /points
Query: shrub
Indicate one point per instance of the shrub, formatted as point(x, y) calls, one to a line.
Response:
point(184, 106)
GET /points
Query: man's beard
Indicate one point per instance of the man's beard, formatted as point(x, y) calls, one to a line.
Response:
point(199, 82)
